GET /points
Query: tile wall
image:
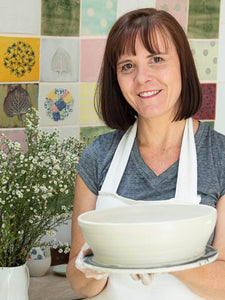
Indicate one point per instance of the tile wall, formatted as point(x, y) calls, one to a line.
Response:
point(51, 51)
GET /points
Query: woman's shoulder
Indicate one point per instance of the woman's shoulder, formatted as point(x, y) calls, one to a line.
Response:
point(209, 136)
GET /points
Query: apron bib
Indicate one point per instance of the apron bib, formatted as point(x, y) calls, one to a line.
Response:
point(163, 286)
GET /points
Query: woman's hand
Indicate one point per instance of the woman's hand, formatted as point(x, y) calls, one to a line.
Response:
point(89, 273)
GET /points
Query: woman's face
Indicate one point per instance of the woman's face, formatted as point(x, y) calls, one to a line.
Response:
point(151, 83)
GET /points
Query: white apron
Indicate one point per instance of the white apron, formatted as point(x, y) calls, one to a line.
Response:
point(163, 286)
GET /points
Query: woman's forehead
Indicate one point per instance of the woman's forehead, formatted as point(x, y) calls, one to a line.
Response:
point(156, 42)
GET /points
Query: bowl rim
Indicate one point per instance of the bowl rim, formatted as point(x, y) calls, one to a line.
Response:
point(211, 210)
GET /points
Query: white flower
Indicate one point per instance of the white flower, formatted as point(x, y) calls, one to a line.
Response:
point(19, 194)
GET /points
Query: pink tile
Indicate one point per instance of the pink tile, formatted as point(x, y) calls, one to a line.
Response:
point(177, 8)
point(91, 59)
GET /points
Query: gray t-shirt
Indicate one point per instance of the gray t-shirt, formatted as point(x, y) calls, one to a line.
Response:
point(140, 183)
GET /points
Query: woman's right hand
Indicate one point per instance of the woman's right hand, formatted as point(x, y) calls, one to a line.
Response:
point(89, 273)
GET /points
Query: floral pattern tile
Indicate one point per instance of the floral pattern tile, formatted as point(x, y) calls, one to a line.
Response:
point(58, 104)
point(207, 111)
point(19, 59)
point(205, 54)
point(97, 16)
point(177, 8)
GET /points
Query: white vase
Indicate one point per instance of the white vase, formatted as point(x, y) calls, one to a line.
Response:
point(14, 283)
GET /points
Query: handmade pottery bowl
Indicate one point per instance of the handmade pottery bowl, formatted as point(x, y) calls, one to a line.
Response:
point(148, 235)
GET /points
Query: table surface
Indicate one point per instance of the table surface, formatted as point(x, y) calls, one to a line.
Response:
point(50, 287)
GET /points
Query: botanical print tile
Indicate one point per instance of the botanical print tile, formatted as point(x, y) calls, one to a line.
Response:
point(220, 108)
point(88, 134)
point(19, 59)
point(64, 131)
point(15, 100)
point(205, 54)
point(221, 54)
point(207, 111)
point(97, 16)
point(58, 104)
point(23, 16)
point(60, 17)
point(125, 6)
point(87, 114)
point(203, 21)
point(177, 8)
point(91, 59)
point(16, 135)
point(59, 59)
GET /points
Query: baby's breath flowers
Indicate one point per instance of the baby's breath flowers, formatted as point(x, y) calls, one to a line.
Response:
point(36, 188)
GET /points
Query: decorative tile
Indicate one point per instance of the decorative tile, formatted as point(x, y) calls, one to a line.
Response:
point(15, 100)
point(177, 8)
point(59, 60)
point(23, 16)
point(220, 108)
point(19, 59)
point(60, 17)
point(203, 21)
point(221, 54)
point(97, 16)
point(88, 134)
point(124, 6)
point(91, 59)
point(16, 135)
point(207, 111)
point(87, 114)
point(205, 54)
point(58, 104)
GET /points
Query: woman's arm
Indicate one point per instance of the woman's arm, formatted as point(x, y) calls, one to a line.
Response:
point(209, 281)
point(84, 200)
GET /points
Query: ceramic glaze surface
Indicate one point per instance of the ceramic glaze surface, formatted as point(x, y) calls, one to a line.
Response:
point(152, 234)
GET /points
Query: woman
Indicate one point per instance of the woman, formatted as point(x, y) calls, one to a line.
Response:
point(149, 88)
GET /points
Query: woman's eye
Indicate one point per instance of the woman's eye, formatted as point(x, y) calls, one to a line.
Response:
point(157, 59)
point(127, 67)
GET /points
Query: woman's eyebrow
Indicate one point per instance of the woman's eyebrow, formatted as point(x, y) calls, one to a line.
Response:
point(123, 61)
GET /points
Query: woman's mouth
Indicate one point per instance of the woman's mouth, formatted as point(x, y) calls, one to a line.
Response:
point(149, 93)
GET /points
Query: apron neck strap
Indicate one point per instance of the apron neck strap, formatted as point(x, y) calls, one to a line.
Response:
point(186, 189)
point(119, 161)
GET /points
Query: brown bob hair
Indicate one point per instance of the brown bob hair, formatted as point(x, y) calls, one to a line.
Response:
point(110, 104)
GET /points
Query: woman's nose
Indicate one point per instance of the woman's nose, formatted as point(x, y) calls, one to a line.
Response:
point(143, 74)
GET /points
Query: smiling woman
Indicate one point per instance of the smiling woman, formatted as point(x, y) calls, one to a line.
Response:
point(149, 90)
point(161, 37)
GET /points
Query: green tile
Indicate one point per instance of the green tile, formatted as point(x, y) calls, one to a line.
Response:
point(203, 20)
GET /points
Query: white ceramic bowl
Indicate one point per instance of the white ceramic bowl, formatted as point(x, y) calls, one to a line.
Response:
point(148, 235)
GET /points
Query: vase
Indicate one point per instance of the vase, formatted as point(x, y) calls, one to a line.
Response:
point(39, 261)
point(59, 258)
point(14, 283)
